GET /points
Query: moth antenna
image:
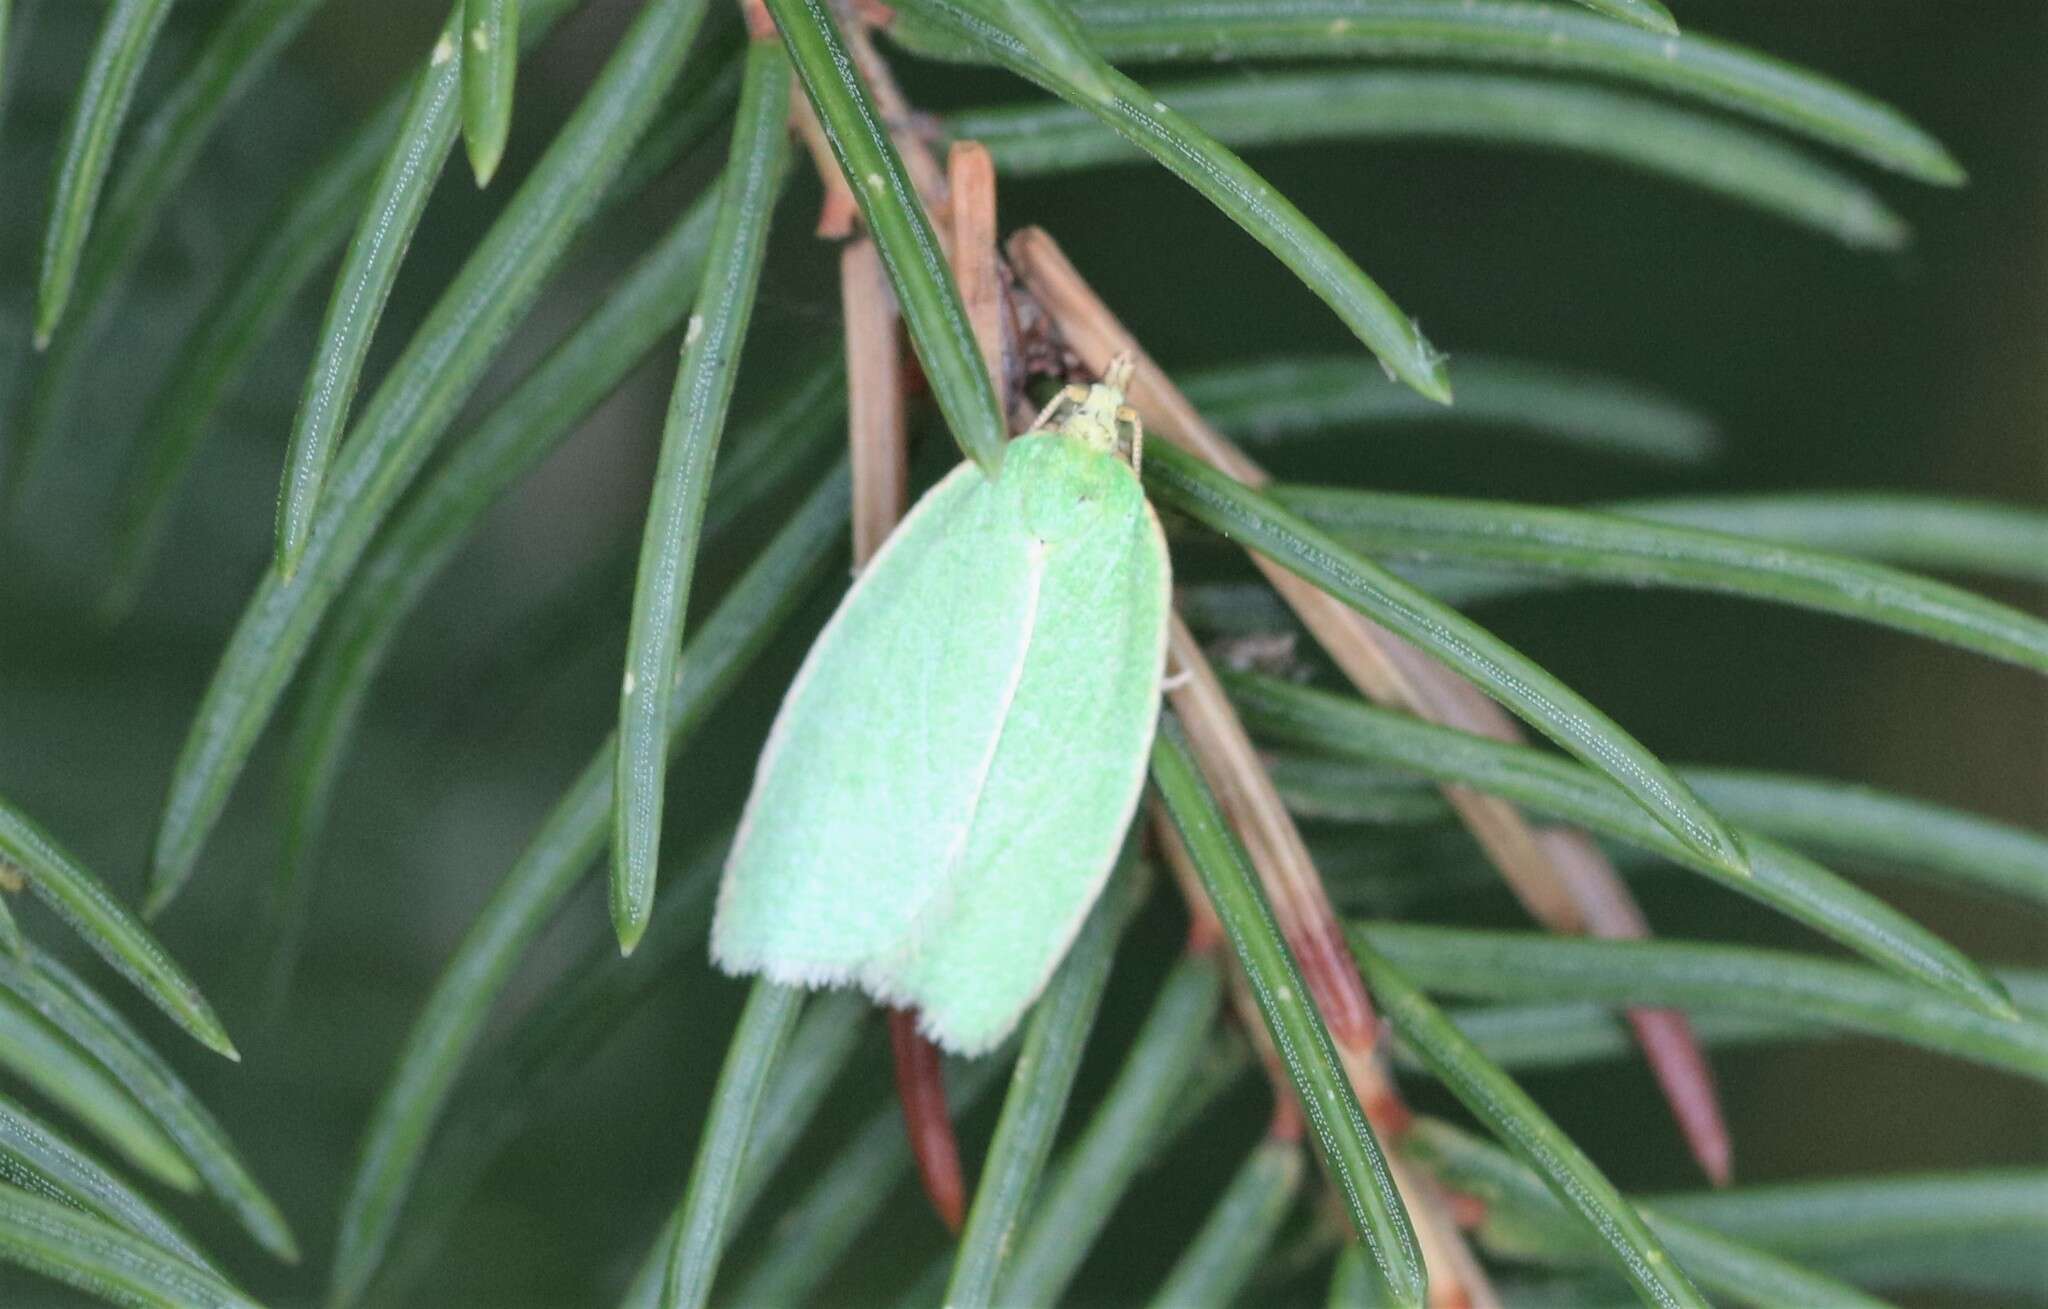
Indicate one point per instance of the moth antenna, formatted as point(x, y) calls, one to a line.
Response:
point(1118, 374)
point(1068, 397)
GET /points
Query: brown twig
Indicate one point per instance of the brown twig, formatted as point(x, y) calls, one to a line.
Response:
point(1205, 936)
point(977, 261)
point(839, 213)
point(1380, 664)
point(1456, 1278)
point(921, 1086)
point(1665, 1035)
point(877, 446)
point(878, 449)
point(877, 439)
point(902, 121)
point(1308, 922)
point(760, 23)
point(1245, 792)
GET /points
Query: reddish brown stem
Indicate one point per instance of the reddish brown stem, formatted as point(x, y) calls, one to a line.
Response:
point(1332, 976)
point(1468, 1211)
point(1287, 1123)
point(977, 264)
point(839, 212)
point(1205, 936)
point(1674, 1055)
point(898, 117)
point(1565, 895)
point(877, 444)
point(1248, 798)
point(760, 25)
point(1666, 1037)
point(921, 1085)
point(1315, 937)
point(876, 434)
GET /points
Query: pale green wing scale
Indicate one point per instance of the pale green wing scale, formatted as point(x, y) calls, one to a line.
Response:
point(954, 768)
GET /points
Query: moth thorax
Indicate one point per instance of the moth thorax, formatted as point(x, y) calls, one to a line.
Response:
point(1094, 418)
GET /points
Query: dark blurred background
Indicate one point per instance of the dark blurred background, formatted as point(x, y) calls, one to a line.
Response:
point(1924, 371)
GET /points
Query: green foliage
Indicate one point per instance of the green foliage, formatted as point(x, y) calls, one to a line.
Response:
point(1348, 1146)
point(533, 1114)
point(1496, 109)
point(738, 246)
point(1047, 1060)
point(902, 230)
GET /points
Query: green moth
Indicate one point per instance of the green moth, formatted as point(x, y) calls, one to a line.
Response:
point(953, 770)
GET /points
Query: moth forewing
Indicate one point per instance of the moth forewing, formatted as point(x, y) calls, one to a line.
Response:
point(850, 826)
point(1067, 780)
point(952, 773)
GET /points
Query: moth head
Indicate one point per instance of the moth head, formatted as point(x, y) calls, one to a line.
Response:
point(1098, 415)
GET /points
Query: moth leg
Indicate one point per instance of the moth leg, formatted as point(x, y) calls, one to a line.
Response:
point(1068, 397)
point(1134, 428)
